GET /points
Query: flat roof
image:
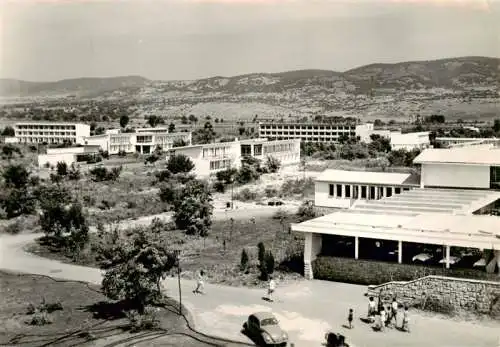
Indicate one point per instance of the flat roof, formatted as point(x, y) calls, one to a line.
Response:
point(367, 177)
point(417, 216)
point(465, 155)
point(42, 122)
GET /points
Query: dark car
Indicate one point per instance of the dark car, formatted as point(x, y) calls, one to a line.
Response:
point(264, 327)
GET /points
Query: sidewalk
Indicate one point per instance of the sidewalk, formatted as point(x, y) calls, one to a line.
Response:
point(306, 309)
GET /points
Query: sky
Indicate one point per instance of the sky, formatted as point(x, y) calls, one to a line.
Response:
point(189, 39)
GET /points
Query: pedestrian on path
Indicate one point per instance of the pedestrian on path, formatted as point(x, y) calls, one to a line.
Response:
point(350, 317)
point(383, 319)
point(200, 285)
point(271, 288)
point(394, 311)
point(406, 320)
point(371, 308)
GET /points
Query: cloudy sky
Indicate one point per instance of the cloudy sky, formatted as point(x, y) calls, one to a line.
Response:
point(187, 39)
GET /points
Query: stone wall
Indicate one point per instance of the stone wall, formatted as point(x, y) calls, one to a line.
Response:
point(456, 293)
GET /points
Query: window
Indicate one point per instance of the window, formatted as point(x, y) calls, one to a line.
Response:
point(347, 191)
point(495, 177)
point(406, 189)
point(355, 192)
point(397, 190)
point(372, 192)
point(389, 191)
point(363, 192)
point(339, 190)
point(331, 191)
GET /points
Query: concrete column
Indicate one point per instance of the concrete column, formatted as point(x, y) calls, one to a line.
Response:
point(308, 248)
point(422, 176)
point(343, 190)
point(359, 192)
point(448, 257)
point(356, 247)
point(386, 189)
point(400, 252)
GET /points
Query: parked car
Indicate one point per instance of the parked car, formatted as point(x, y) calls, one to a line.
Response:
point(264, 328)
point(453, 260)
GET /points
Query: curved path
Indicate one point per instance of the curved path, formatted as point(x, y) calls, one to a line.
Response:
point(305, 309)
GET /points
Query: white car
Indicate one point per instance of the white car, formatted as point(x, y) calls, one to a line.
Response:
point(453, 260)
point(422, 257)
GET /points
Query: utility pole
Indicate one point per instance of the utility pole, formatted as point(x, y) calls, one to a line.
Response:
point(178, 263)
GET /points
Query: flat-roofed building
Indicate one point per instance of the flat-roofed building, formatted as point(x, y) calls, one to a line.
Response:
point(214, 157)
point(410, 141)
point(313, 132)
point(467, 167)
point(51, 132)
point(286, 151)
point(342, 189)
point(142, 142)
point(68, 155)
point(454, 142)
point(444, 218)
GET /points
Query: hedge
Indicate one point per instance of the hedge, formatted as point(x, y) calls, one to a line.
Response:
point(372, 272)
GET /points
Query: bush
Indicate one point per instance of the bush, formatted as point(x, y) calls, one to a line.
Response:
point(272, 164)
point(163, 175)
point(244, 260)
point(13, 228)
point(39, 319)
point(302, 187)
point(246, 195)
point(270, 192)
point(219, 187)
point(306, 211)
point(101, 174)
point(261, 251)
point(179, 163)
point(146, 321)
point(280, 214)
point(122, 153)
point(62, 168)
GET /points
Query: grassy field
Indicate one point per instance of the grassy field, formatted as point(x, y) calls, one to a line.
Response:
point(222, 263)
point(83, 320)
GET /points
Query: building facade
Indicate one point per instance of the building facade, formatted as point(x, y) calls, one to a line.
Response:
point(342, 189)
point(69, 155)
point(214, 157)
point(141, 142)
point(313, 132)
point(410, 141)
point(51, 132)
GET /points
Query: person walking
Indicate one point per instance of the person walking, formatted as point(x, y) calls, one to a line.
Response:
point(394, 312)
point(406, 320)
point(200, 285)
point(350, 318)
point(271, 288)
point(371, 308)
point(383, 318)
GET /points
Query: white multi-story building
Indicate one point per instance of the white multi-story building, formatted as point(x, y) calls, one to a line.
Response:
point(69, 155)
point(410, 141)
point(313, 132)
point(141, 142)
point(51, 132)
point(213, 157)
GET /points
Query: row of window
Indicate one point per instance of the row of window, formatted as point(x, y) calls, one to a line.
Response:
point(45, 140)
point(282, 147)
point(220, 164)
point(46, 133)
point(44, 127)
point(216, 152)
point(144, 139)
point(305, 133)
point(363, 192)
point(307, 127)
point(117, 148)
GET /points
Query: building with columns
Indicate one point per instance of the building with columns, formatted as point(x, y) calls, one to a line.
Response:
point(455, 207)
point(342, 189)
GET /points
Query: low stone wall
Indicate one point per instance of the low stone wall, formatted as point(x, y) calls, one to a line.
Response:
point(453, 293)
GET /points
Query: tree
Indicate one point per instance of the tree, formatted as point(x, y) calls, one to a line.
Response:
point(171, 128)
point(272, 164)
point(154, 120)
point(74, 173)
point(496, 125)
point(192, 118)
point(134, 266)
point(169, 192)
point(62, 218)
point(184, 120)
point(241, 131)
point(261, 251)
point(179, 163)
point(101, 174)
point(204, 135)
point(244, 260)
point(62, 168)
point(16, 176)
point(124, 119)
point(8, 131)
point(193, 209)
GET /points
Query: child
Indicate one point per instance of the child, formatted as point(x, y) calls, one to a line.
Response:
point(406, 320)
point(371, 307)
point(394, 311)
point(200, 285)
point(350, 318)
point(383, 318)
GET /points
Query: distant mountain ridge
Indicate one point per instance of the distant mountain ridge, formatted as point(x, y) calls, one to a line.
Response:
point(451, 73)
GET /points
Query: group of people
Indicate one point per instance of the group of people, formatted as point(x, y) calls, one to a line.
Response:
point(382, 316)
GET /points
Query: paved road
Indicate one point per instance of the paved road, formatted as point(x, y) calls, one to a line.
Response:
point(306, 309)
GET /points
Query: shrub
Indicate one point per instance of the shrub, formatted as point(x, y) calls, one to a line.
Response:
point(244, 260)
point(131, 204)
point(246, 195)
point(168, 192)
point(306, 211)
point(146, 321)
point(272, 164)
point(219, 187)
point(179, 163)
point(270, 263)
point(122, 153)
point(261, 251)
point(302, 187)
point(101, 174)
point(280, 214)
point(13, 228)
point(39, 319)
point(270, 192)
point(163, 175)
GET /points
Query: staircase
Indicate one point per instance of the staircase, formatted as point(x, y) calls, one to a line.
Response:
point(308, 272)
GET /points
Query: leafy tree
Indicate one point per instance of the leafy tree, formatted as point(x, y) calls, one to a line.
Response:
point(134, 266)
point(379, 144)
point(272, 164)
point(101, 174)
point(179, 163)
point(241, 131)
point(204, 135)
point(154, 120)
point(16, 176)
point(171, 128)
point(496, 125)
point(184, 120)
point(261, 251)
point(193, 209)
point(124, 119)
point(219, 187)
point(74, 173)
point(192, 118)
point(62, 168)
point(226, 176)
point(163, 175)
point(17, 202)
point(169, 192)
point(8, 131)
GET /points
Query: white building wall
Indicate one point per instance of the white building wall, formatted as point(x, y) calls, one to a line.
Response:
point(82, 131)
point(98, 140)
point(53, 159)
point(409, 141)
point(322, 197)
point(455, 176)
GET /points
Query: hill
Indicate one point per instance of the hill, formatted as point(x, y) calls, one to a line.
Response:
point(77, 86)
